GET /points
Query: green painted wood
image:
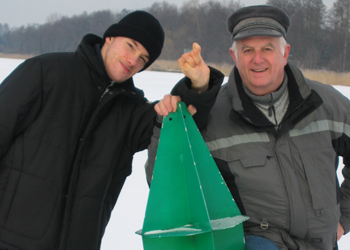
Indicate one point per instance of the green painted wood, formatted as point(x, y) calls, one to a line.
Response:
point(189, 205)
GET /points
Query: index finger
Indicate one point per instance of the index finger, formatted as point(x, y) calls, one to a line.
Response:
point(196, 53)
point(174, 100)
point(196, 47)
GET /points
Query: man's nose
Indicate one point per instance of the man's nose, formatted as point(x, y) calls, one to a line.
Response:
point(258, 58)
point(132, 60)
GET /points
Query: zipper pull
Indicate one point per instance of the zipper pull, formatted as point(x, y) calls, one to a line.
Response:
point(270, 110)
point(270, 106)
point(107, 89)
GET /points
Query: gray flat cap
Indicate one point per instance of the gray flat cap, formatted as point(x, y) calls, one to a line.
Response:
point(259, 20)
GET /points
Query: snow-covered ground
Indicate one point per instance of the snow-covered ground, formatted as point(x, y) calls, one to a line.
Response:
point(128, 214)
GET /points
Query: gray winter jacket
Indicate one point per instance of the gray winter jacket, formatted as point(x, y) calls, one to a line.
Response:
point(285, 180)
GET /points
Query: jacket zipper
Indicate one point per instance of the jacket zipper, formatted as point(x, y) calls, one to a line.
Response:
point(107, 90)
point(64, 241)
point(272, 111)
point(284, 185)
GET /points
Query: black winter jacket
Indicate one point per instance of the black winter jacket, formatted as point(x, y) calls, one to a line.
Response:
point(65, 152)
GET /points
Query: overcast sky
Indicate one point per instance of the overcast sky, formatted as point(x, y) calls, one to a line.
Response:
point(22, 12)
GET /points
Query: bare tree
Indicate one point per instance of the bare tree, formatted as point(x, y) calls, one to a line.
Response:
point(339, 20)
point(168, 16)
point(54, 17)
point(316, 42)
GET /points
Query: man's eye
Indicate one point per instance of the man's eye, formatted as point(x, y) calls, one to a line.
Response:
point(247, 50)
point(130, 45)
point(144, 60)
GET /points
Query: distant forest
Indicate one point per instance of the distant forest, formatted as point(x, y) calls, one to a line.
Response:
point(319, 37)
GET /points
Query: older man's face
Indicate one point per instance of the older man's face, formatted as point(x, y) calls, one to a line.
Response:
point(260, 63)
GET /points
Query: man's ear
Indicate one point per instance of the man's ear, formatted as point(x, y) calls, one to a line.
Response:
point(233, 55)
point(108, 40)
point(286, 53)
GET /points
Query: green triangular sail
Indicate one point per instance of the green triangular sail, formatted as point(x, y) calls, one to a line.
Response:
point(189, 205)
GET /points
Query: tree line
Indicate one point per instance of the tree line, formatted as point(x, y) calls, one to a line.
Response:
point(319, 37)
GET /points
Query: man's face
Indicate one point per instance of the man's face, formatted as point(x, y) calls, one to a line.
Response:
point(123, 57)
point(260, 63)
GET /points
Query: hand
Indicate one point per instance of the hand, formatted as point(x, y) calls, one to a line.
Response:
point(194, 67)
point(340, 231)
point(169, 104)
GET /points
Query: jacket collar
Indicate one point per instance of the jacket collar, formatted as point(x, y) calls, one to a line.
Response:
point(87, 50)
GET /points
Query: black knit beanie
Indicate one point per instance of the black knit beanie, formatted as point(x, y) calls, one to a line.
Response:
point(143, 28)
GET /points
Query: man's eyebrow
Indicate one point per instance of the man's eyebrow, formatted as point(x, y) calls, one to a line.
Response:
point(266, 45)
point(136, 44)
point(269, 45)
point(245, 46)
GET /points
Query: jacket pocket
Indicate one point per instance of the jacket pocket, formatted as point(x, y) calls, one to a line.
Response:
point(260, 188)
point(257, 178)
point(28, 205)
point(321, 177)
point(257, 161)
point(249, 166)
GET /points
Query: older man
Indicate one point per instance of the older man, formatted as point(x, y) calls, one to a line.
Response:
point(276, 137)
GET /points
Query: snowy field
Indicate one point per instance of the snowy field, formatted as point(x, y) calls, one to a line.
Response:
point(127, 216)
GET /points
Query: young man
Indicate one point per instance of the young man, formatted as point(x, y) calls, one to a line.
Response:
point(276, 138)
point(70, 125)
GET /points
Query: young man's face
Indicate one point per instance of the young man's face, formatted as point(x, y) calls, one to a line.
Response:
point(123, 57)
point(260, 63)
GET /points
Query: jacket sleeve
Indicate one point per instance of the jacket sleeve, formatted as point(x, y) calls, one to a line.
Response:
point(345, 196)
point(345, 186)
point(20, 101)
point(152, 152)
point(203, 102)
point(342, 148)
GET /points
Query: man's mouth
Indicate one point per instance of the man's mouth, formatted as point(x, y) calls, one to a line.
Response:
point(126, 69)
point(259, 70)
